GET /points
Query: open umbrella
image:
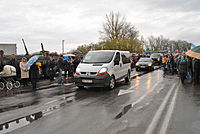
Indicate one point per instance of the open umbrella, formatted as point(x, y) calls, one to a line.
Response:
point(195, 52)
point(31, 61)
point(76, 52)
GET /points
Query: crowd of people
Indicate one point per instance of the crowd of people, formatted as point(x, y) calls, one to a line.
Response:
point(49, 69)
point(186, 67)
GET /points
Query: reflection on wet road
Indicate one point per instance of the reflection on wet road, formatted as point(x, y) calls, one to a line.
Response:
point(126, 109)
point(93, 107)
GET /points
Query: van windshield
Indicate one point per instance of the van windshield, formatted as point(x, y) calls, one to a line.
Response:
point(98, 57)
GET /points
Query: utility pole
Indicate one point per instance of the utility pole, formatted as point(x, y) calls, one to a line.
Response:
point(63, 46)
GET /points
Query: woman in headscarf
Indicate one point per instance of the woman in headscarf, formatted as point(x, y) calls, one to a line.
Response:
point(24, 71)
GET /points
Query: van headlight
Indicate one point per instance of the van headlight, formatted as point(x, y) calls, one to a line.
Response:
point(149, 64)
point(158, 59)
point(78, 71)
point(137, 64)
point(102, 71)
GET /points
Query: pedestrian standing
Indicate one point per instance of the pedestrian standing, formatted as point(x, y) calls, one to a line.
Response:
point(76, 63)
point(60, 66)
point(13, 62)
point(196, 70)
point(34, 75)
point(24, 71)
point(51, 71)
point(183, 68)
point(171, 63)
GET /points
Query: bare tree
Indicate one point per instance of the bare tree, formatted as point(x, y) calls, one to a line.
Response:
point(116, 28)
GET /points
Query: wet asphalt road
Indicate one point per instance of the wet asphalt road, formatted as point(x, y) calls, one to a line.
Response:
point(150, 104)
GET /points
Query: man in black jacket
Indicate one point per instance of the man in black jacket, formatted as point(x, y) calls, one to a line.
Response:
point(51, 71)
point(14, 62)
point(60, 66)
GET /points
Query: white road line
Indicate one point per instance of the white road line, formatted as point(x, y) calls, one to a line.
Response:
point(158, 114)
point(165, 124)
point(142, 97)
point(50, 102)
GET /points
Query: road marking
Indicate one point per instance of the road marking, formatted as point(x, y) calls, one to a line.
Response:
point(142, 97)
point(158, 114)
point(165, 124)
point(122, 92)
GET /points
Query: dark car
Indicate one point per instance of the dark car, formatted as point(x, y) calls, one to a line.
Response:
point(145, 64)
point(157, 58)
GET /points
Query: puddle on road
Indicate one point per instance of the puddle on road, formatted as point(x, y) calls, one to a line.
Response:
point(124, 111)
point(20, 122)
point(20, 105)
point(26, 120)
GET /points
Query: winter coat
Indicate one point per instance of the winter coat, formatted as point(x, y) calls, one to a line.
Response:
point(60, 64)
point(24, 73)
point(34, 71)
point(183, 67)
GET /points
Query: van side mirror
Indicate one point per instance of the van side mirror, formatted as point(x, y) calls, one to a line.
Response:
point(116, 62)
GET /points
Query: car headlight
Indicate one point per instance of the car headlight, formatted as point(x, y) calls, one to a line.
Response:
point(78, 71)
point(149, 64)
point(137, 64)
point(102, 71)
point(158, 59)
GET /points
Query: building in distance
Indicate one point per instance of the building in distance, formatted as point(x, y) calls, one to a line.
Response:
point(8, 49)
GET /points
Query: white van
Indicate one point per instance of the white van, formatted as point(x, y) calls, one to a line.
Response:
point(103, 68)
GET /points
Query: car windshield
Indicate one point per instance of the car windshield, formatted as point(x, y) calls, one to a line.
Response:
point(145, 60)
point(155, 55)
point(98, 57)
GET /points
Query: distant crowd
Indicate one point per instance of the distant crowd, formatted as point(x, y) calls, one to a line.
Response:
point(186, 67)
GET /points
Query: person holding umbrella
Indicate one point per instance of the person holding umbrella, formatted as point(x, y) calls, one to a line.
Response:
point(34, 70)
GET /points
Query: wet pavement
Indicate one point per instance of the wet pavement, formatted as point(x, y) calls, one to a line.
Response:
point(149, 104)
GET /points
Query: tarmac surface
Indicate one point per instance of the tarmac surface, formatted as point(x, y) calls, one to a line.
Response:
point(149, 104)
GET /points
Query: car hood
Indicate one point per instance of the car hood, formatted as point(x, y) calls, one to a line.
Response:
point(84, 67)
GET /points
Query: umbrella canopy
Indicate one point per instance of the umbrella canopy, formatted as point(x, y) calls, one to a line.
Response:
point(76, 52)
point(195, 52)
point(31, 61)
point(70, 55)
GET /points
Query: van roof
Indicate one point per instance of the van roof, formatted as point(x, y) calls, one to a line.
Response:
point(110, 51)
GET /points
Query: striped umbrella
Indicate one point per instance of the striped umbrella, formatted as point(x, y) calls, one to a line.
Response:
point(195, 52)
point(31, 61)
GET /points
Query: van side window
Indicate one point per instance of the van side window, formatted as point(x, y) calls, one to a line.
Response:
point(117, 56)
point(125, 58)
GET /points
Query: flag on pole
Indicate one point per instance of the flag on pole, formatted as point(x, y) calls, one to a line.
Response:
point(192, 46)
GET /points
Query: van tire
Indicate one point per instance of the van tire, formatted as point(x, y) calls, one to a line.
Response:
point(112, 83)
point(127, 79)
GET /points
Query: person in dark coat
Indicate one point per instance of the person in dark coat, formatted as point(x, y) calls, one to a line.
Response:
point(183, 68)
point(13, 62)
point(51, 71)
point(196, 70)
point(171, 63)
point(60, 66)
point(76, 63)
point(34, 75)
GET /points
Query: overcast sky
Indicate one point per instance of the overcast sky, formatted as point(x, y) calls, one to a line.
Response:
point(79, 21)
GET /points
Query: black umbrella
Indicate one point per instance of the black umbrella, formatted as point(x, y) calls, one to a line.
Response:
point(76, 52)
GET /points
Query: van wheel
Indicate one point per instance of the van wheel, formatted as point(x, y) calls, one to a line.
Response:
point(127, 79)
point(112, 83)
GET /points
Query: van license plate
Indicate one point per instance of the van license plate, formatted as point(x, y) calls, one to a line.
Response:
point(142, 66)
point(87, 81)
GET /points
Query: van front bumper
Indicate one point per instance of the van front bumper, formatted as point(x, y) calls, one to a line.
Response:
point(92, 81)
